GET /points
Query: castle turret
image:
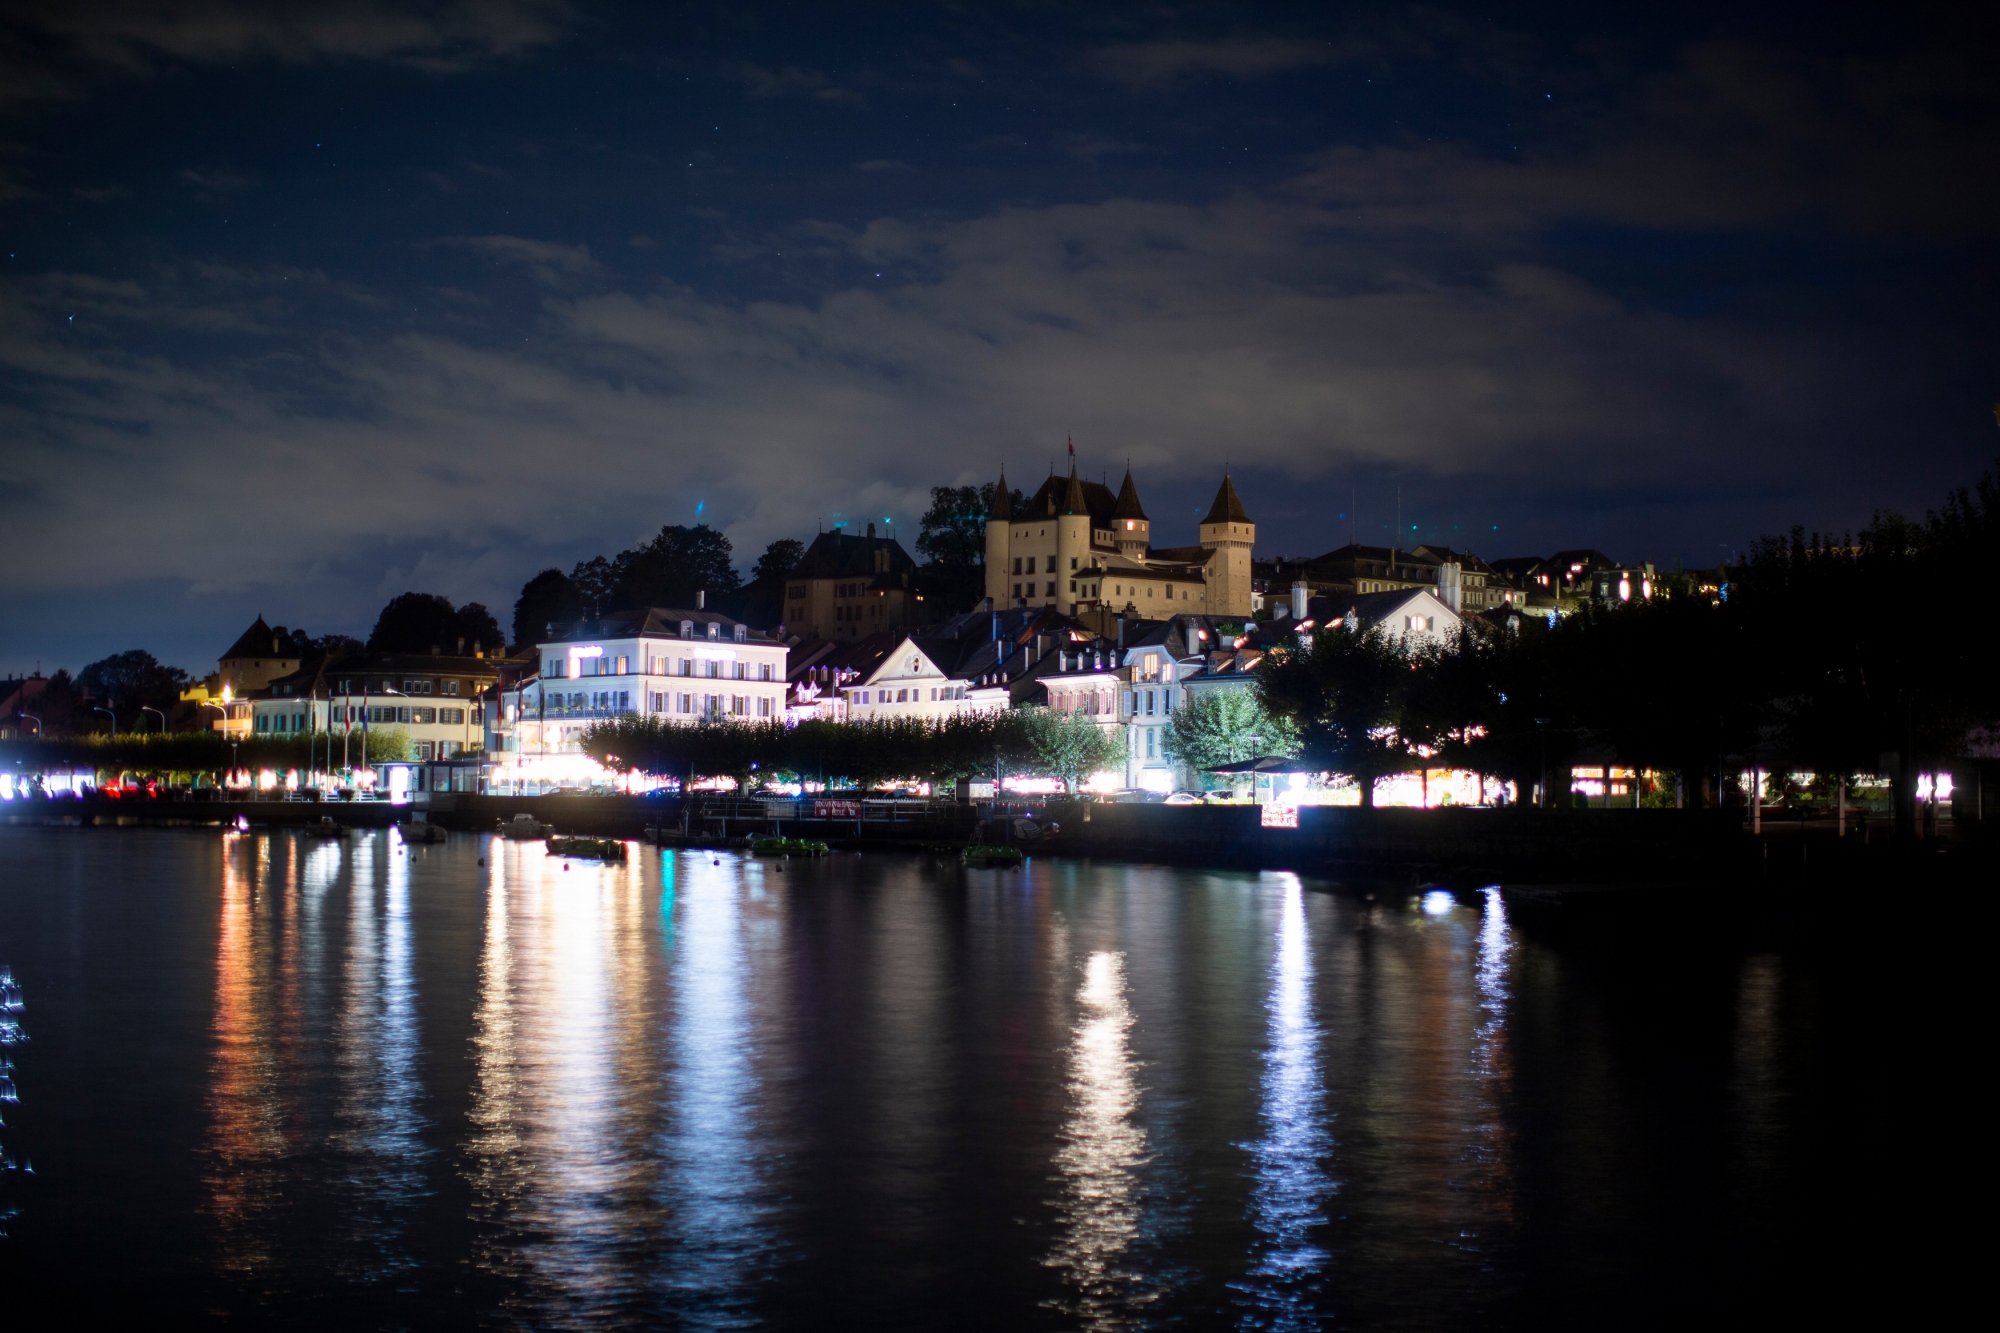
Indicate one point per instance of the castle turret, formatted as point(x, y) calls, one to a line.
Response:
point(998, 518)
point(1229, 536)
point(1072, 542)
point(1128, 518)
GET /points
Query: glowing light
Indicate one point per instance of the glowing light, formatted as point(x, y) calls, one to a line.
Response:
point(1439, 903)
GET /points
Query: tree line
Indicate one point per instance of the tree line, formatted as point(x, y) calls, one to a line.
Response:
point(865, 755)
point(1861, 654)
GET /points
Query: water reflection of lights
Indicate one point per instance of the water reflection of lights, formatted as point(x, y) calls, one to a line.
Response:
point(1102, 1150)
point(1292, 1186)
point(554, 1170)
point(713, 1168)
point(1492, 1064)
point(378, 1040)
point(1439, 902)
point(244, 1137)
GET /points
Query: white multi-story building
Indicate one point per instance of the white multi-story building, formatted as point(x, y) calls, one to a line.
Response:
point(676, 666)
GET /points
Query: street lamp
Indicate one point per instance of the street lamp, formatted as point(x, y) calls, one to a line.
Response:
point(114, 720)
point(157, 713)
point(38, 724)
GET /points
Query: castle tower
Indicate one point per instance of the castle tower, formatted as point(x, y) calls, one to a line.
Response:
point(1072, 542)
point(1229, 535)
point(1128, 517)
point(999, 520)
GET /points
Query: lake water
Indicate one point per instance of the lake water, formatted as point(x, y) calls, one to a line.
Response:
point(350, 1084)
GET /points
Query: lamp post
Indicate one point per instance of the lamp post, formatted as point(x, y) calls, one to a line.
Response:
point(114, 720)
point(38, 724)
point(156, 713)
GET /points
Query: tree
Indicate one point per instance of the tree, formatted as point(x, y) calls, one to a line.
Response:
point(953, 537)
point(667, 571)
point(1070, 745)
point(762, 602)
point(474, 627)
point(417, 622)
point(1226, 726)
point(1344, 689)
point(780, 558)
point(547, 599)
point(129, 681)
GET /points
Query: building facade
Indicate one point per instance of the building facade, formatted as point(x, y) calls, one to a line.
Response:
point(1078, 548)
point(847, 588)
point(671, 665)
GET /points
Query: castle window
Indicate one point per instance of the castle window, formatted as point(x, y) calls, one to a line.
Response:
point(1017, 564)
point(1072, 564)
point(1052, 568)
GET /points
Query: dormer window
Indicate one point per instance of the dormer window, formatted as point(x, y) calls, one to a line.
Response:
point(742, 634)
point(714, 631)
point(687, 629)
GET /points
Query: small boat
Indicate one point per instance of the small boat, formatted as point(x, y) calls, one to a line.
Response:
point(596, 849)
point(425, 832)
point(523, 827)
point(327, 827)
point(991, 856)
point(789, 847)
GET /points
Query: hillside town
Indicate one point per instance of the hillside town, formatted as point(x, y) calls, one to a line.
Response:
point(1057, 603)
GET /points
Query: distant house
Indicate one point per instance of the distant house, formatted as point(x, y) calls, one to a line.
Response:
point(439, 702)
point(846, 588)
point(257, 658)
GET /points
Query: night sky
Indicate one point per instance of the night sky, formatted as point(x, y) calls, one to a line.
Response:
point(309, 305)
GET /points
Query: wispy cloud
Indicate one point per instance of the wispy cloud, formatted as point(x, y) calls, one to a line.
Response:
point(1167, 61)
point(791, 81)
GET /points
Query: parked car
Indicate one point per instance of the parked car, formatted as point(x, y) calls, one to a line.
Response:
point(1186, 798)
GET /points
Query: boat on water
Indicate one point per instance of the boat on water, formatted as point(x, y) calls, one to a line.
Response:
point(522, 827)
point(327, 827)
point(991, 856)
point(596, 849)
point(789, 847)
point(421, 832)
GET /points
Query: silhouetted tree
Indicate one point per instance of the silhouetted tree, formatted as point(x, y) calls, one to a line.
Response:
point(417, 622)
point(547, 599)
point(126, 682)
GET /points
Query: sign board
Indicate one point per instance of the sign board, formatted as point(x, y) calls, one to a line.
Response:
point(836, 809)
point(1280, 816)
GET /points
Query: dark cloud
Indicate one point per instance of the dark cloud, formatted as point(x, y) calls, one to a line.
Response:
point(1166, 61)
point(133, 34)
point(1649, 304)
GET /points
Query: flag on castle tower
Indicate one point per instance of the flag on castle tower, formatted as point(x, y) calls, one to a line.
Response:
point(1072, 448)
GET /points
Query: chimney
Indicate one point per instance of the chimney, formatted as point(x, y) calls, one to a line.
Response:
point(461, 645)
point(1121, 634)
point(478, 649)
point(701, 600)
point(1451, 585)
point(1301, 594)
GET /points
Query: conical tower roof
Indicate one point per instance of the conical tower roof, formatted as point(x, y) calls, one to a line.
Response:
point(1073, 502)
point(1128, 500)
point(1227, 507)
point(1003, 501)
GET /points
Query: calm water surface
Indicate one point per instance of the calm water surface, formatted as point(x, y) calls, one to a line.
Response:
point(276, 1080)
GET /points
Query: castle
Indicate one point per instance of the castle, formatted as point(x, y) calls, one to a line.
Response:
point(1080, 549)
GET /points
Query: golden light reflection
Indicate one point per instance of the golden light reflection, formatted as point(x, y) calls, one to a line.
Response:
point(1102, 1152)
point(563, 1169)
point(244, 1134)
